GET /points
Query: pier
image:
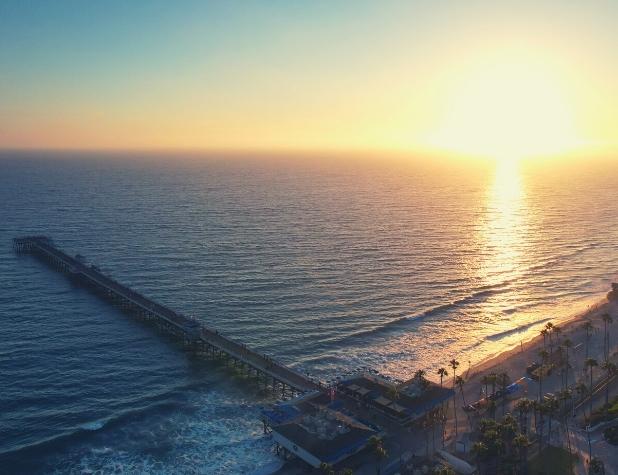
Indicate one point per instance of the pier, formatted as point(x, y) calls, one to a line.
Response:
point(193, 333)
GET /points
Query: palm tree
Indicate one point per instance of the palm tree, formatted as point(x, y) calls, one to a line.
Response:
point(420, 377)
point(479, 450)
point(557, 331)
point(607, 320)
point(435, 418)
point(459, 381)
point(508, 429)
point(454, 364)
point(564, 396)
point(567, 343)
point(542, 408)
point(443, 373)
point(379, 451)
point(442, 419)
point(611, 370)
point(503, 382)
point(591, 363)
point(582, 391)
point(536, 413)
point(551, 405)
point(544, 355)
point(491, 437)
point(523, 407)
point(588, 327)
point(549, 327)
point(544, 332)
point(521, 442)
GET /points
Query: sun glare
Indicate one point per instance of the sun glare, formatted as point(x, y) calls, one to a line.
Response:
point(506, 218)
point(508, 111)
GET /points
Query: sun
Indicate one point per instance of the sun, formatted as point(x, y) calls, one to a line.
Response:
point(507, 110)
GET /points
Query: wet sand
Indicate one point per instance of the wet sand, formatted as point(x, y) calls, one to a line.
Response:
point(515, 360)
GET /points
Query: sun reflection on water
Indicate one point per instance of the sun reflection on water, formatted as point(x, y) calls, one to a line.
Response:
point(504, 224)
point(505, 243)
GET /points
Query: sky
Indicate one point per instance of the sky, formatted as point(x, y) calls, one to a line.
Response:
point(474, 77)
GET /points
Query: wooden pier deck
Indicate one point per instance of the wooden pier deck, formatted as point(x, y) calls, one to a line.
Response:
point(194, 334)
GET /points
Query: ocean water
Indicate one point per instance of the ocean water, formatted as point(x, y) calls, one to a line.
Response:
point(326, 264)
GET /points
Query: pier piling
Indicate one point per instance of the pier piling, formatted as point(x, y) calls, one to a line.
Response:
point(193, 334)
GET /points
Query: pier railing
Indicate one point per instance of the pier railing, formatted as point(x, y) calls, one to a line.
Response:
point(194, 333)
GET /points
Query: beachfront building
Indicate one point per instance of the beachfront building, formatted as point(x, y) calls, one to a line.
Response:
point(401, 402)
point(315, 429)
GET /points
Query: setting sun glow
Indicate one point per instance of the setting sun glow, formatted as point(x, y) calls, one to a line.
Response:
point(480, 79)
point(376, 229)
point(508, 111)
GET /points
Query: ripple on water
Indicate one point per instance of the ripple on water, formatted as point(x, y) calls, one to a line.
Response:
point(325, 266)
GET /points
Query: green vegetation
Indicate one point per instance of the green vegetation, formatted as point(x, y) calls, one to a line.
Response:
point(504, 446)
point(500, 448)
point(327, 469)
point(377, 446)
point(551, 461)
point(442, 372)
point(606, 412)
point(442, 470)
point(454, 364)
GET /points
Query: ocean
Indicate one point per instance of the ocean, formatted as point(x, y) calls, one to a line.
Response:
point(326, 264)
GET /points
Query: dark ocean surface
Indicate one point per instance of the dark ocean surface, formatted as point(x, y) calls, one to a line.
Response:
point(327, 265)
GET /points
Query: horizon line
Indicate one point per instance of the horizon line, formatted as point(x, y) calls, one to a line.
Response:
point(426, 153)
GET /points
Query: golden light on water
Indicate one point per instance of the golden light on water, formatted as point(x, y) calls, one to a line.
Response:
point(505, 221)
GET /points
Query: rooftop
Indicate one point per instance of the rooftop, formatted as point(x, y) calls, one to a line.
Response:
point(405, 402)
point(328, 435)
point(316, 430)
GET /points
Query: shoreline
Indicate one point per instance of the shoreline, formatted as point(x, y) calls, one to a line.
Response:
point(526, 348)
point(513, 361)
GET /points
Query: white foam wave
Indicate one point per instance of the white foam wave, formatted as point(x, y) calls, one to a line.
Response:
point(95, 425)
point(222, 436)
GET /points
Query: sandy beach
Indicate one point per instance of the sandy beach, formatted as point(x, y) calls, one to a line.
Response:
point(515, 360)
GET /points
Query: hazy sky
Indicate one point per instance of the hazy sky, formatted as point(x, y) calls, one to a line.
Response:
point(472, 77)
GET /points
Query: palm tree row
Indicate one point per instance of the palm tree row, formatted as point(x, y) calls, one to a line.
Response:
point(551, 334)
point(566, 394)
point(502, 445)
point(550, 408)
